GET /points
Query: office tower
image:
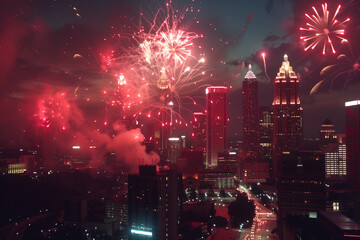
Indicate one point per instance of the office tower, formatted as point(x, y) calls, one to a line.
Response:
point(335, 161)
point(174, 149)
point(352, 128)
point(266, 135)
point(327, 133)
point(183, 141)
point(199, 130)
point(300, 185)
point(216, 135)
point(287, 113)
point(153, 204)
point(250, 117)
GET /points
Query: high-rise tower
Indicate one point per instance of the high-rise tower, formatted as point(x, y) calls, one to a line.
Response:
point(199, 130)
point(352, 128)
point(327, 133)
point(216, 135)
point(250, 117)
point(287, 113)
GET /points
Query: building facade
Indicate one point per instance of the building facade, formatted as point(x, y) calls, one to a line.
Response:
point(199, 130)
point(352, 128)
point(216, 129)
point(327, 133)
point(250, 117)
point(153, 204)
point(287, 113)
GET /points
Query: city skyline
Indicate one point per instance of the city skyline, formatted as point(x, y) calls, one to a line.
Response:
point(22, 90)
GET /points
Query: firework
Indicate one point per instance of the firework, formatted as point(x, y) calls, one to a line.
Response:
point(54, 111)
point(346, 67)
point(323, 29)
point(264, 61)
point(159, 67)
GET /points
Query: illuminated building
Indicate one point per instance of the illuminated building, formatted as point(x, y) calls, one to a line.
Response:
point(287, 113)
point(327, 133)
point(352, 128)
point(335, 160)
point(174, 149)
point(250, 117)
point(199, 130)
point(17, 161)
point(266, 135)
point(216, 129)
point(153, 204)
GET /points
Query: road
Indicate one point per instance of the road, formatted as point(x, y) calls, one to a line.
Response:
point(263, 223)
point(16, 230)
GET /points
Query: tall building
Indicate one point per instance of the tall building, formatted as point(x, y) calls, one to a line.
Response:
point(300, 185)
point(153, 204)
point(352, 128)
point(199, 130)
point(216, 129)
point(287, 113)
point(266, 135)
point(174, 149)
point(327, 133)
point(250, 117)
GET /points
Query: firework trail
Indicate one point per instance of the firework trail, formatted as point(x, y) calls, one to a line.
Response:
point(323, 29)
point(264, 61)
point(347, 67)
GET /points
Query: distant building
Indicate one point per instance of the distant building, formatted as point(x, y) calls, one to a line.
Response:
point(335, 161)
point(153, 204)
point(266, 134)
point(287, 113)
point(17, 161)
point(190, 164)
point(327, 133)
point(352, 128)
point(216, 133)
point(174, 149)
point(199, 130)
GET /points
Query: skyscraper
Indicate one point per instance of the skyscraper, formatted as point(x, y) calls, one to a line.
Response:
point(250, 117)
point(287, 113)
point(153, 204)
point(352, 128)
point(199, 130)
point(216, 135)
point(300, 185)
point(327, 133)
point(266, 135)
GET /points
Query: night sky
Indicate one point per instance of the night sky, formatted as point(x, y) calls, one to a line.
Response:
point(39, 39)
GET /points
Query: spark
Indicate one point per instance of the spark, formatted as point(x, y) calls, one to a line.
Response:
point(54, 111)
point(264, 61)
point(323, 29)
point(157, 66)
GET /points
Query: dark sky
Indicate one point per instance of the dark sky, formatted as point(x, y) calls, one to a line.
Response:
point(39, 39)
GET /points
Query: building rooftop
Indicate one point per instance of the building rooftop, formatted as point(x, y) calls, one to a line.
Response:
point(250, 74)
point(352, 103)
point(341, 221)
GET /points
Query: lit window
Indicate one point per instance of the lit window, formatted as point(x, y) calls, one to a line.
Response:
point(336, 206)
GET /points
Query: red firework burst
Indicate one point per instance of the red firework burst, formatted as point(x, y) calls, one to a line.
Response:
point(54, 111)
point(323, 29)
